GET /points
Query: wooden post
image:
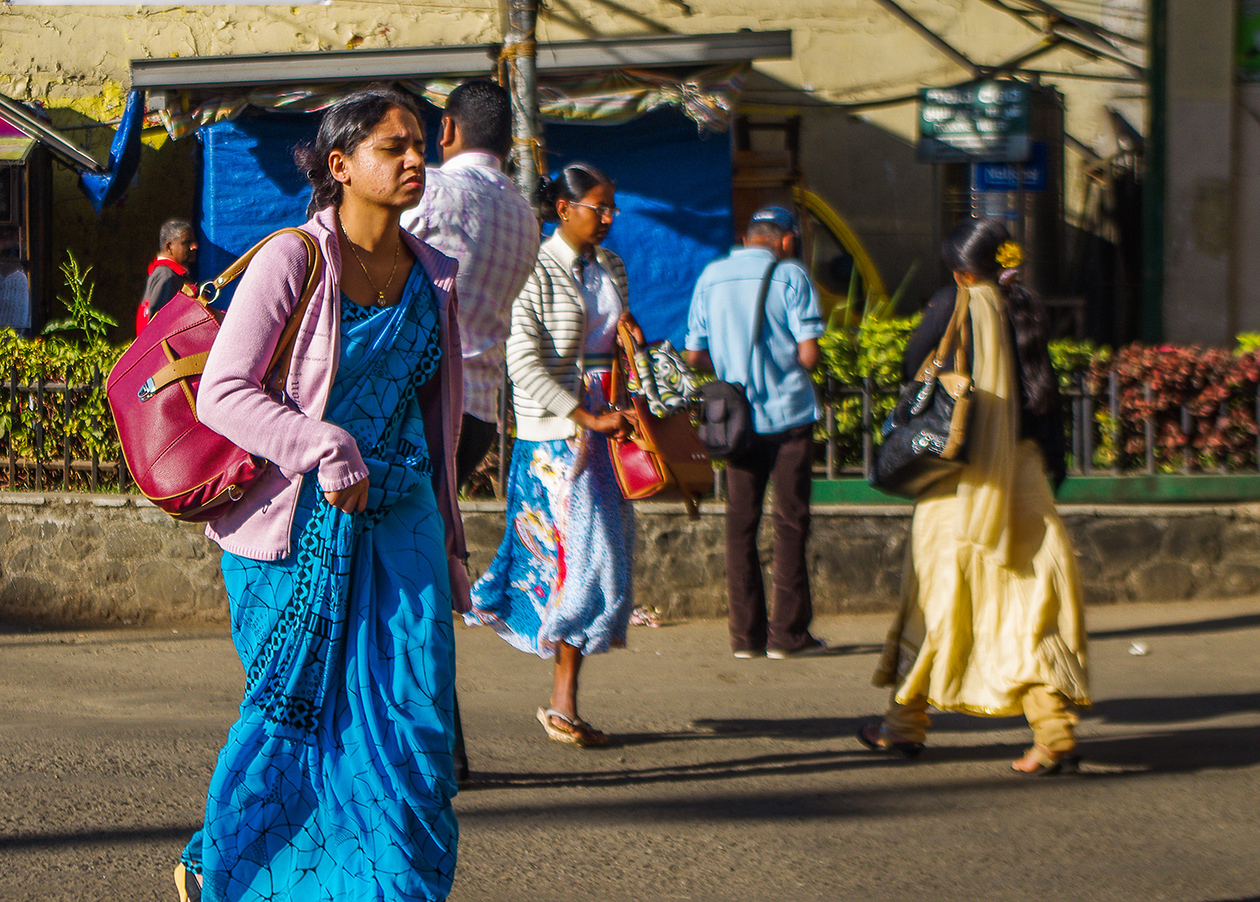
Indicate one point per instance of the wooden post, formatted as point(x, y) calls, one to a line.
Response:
point(519, 48)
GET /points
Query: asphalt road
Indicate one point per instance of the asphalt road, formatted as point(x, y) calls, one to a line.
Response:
point(732, 780)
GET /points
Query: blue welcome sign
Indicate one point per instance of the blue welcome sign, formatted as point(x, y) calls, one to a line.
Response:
point(1032, 176)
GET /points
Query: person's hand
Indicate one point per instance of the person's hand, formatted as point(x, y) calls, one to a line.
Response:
point(352, 499)
point(630, 422)
point(615, 424)
point(626, 319)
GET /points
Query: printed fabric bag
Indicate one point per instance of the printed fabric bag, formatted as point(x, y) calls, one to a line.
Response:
point(182, 466)
point(925, 436)
point(663, 377)
point(663, 458)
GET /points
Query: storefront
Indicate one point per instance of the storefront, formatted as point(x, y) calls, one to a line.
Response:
point(652, 112)
point(28, 148)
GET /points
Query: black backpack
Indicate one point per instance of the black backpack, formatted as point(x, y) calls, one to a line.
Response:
point(725, 418)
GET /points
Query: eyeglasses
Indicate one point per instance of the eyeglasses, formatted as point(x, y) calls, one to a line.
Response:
point(603, 211)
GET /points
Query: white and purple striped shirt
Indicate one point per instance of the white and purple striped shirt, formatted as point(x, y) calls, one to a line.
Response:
point(471, 211)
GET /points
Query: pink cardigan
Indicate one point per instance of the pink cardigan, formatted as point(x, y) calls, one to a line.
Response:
point(292, 435)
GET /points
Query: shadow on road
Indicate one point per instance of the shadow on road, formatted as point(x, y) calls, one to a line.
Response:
point(117, 836)
point(704, 771)
point(1157, 710)
point(1158, 751)
point(1189, 628)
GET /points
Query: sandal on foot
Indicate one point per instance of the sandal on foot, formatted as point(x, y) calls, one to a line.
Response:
point(558, 726)
point(187, 884)
point(575, 731)
point(590, 735)
point(875, 736)
point(1049, 763)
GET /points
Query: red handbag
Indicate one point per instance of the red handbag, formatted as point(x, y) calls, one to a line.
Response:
point(182, 466)
point(663, 458)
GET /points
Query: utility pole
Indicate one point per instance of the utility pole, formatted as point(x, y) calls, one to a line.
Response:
point(520, 52)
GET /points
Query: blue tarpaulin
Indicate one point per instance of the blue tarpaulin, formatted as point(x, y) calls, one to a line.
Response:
point(674, 191)
point(250, 185)
point(673, 186)
point(124, 158)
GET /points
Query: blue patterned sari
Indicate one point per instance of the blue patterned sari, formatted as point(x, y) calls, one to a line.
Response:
point(336, 781)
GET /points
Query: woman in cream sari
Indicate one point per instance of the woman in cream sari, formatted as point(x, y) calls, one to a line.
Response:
point(991, 620)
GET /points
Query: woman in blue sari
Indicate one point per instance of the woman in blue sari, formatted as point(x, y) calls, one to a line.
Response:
point(343, 566)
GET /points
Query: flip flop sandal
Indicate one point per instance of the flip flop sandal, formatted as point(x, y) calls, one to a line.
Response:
point(1048, 765)
point(881, 743)
point(186, 884)
point(590, 735)
point(570, 732)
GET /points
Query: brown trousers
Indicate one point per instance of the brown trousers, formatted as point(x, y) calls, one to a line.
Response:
point(784, 460)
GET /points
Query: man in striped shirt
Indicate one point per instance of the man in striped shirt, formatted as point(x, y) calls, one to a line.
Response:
point(473, 212)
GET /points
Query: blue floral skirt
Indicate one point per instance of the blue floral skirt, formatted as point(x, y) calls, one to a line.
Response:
point(563, 570)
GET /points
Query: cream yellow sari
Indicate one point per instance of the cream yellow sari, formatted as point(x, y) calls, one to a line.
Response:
point(991, 598)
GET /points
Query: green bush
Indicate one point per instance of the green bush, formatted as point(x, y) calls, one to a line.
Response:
point(850, 356)
point(75, 417)
point(84, 424)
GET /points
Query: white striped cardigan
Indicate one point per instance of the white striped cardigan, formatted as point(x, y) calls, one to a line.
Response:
point(545, 344)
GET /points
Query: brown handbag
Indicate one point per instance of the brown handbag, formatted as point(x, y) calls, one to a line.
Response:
point(181, 465)
point(663, 459)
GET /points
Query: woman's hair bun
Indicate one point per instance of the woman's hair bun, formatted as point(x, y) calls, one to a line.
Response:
point(548, 194)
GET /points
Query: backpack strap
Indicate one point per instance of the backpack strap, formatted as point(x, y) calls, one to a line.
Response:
point(182, 368)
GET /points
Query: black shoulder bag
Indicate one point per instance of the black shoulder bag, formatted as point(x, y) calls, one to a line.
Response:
point(925, 436)
point(725, 417)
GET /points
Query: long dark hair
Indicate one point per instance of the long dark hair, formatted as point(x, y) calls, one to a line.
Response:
point(973, 248)
point(573, 183)
point(343, 127)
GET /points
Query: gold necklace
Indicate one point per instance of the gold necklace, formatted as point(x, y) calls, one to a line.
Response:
point(380, 292)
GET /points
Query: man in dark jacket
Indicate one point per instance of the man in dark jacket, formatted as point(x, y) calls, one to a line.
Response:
point(170, 269)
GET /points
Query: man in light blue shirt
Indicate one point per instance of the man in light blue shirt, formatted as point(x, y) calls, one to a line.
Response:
point(776, 378)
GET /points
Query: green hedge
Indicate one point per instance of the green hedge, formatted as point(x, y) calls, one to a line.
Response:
point(875, 352)
point(1201, 403)
point(84, 424)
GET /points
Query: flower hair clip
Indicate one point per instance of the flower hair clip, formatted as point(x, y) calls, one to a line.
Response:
point(1010, 255)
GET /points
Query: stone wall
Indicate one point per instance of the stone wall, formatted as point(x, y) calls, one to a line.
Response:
point(68, 559)
point(81, 559)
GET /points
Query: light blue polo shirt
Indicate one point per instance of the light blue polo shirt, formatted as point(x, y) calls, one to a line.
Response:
point(721, 322)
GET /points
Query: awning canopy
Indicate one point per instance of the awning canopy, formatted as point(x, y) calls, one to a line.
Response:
point(604, 81)
point(638, 52)
point(25, 128)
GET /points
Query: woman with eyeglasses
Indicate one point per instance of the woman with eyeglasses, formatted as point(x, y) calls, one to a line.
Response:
point(560, 583)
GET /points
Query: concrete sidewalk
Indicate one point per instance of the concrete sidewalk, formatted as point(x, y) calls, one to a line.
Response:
point(731, 780)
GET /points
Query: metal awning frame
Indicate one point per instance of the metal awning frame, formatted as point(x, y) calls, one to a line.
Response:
point(638, 52)
point(24, 121)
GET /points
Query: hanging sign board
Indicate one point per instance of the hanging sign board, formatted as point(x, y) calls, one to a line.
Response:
point(1032, 176)
point(984, 122)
